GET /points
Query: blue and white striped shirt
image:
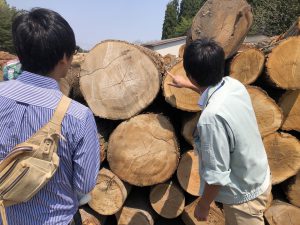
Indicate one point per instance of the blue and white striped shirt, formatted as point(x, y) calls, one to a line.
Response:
point(26, 104)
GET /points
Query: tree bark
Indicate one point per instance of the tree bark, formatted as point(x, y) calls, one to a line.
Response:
point(290, 105)
point(109, 194)
point(143, 151)
point(268, 114)
point(188, 173)
point(282, 213)
point(118, 80)
point(181, 98)
point(283, 152)
point(167, 200)
point(227, 22)
point(247, 65)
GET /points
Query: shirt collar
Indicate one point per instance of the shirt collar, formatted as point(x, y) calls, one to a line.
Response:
point(207, 93)
point(38, 80)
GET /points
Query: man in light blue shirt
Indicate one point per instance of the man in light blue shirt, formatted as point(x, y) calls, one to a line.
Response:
point(233, 163)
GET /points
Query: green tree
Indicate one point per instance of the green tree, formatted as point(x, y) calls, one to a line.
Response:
point(6, 15)
point(183, 26)
point(274, 17)
point(189, 8)
point(171, 18)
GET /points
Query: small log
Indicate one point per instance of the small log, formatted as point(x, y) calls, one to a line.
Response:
point(226, 21)
point(283, 152)
point(290, 105)
point(283, 64)
point(167, 200)
point(292, 190)
point(215, 217)
point(247, 65)
point(114, 71)
point(181, 98)
point(109, 194)
point(189, 125)
point(268, 114)
point(188, 173)
point(282, 213)
point(181, 51)
point(89, 219)
point(136, 211)
point(143, 151)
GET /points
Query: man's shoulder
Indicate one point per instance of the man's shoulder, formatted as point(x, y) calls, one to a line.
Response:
point(78, 110)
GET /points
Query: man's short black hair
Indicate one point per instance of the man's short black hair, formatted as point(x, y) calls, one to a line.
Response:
point(204, 62)
point(41, 38)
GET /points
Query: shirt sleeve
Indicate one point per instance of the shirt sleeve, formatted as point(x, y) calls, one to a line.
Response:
point(215, 143)
point(86, 158)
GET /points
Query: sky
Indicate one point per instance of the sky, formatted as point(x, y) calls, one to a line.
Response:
point(96, 20)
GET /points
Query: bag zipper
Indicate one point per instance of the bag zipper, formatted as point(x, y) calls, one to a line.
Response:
point(8, 171)
point(11, 186)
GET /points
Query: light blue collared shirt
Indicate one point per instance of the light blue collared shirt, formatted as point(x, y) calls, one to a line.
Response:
point(229, 144)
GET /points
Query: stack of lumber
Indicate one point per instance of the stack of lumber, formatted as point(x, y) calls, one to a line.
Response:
point(150, 171)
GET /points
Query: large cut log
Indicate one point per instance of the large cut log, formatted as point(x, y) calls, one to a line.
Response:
point(292, 190)
point(283, 152)
point(189, 124)
point(290, 105)
point(89, 219)
point(268, 114)
point(109, 194)
point(247, 65)
point(143, 151)
point(283, 64)
point(181, 98)
point(136, 211)
point(226, 21)
point(282, 213)
point(215, 217)
point(188, 173)
point(118, 80)
point(167, 200)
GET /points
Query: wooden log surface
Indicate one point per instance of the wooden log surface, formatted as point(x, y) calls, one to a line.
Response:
point(290, 105)
point(167, 200)
point(215, 217)
point(292, 190)
point(188, 173)
point(143, 151)
point(89, 219)
point(181, 98)
point(282, 213)
point(226, 21)
point(247, 65)
point(283, 152)
point(118, 80)
point(189, 124)
point(109, 194)
point(283, 64)
point(268, 114)
point(136, 211)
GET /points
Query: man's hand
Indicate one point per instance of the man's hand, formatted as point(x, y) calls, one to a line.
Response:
point(179, 81)
point(202, 210)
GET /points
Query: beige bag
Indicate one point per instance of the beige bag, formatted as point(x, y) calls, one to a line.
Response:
point(31, 164)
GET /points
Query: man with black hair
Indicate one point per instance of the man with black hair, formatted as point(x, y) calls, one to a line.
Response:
point(233, 163)
point(45, 44)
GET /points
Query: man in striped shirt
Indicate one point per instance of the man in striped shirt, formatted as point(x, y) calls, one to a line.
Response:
point(45, 44)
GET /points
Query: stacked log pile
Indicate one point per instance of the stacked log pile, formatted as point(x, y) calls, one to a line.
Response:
point(150, 171)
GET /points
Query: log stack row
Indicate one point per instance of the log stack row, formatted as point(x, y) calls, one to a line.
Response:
point(150, 172)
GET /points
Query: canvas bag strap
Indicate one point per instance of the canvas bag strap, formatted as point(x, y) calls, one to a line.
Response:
point(61, 110)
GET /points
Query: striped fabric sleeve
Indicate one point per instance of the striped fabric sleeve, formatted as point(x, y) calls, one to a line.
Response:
point(86, 158)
